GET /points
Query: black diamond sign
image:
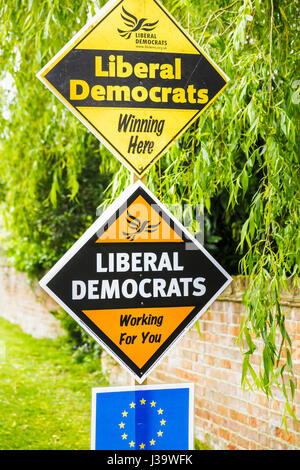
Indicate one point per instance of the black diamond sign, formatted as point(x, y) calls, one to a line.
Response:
point(136, 280)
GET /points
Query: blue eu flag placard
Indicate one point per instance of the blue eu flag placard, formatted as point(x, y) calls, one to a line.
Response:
point(143, 418)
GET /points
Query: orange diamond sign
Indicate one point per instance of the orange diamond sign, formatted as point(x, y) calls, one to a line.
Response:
point(136, 280)
point(135, 79)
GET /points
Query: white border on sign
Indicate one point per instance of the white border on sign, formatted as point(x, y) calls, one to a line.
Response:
point(133, 388)
point(84, 239)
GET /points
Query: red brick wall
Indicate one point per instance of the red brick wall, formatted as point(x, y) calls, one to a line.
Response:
point(26, 304)
point(225, 416)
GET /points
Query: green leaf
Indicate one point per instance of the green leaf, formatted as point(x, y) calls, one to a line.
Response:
point(289, 360)
point(250, 343)
point(245, 368)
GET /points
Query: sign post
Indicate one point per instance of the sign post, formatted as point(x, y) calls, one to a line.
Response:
point(137, 280)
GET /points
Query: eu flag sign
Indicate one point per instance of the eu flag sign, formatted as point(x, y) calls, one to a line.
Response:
point(150, 417)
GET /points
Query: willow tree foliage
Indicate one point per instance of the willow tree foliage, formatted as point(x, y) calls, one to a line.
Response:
point(240, 159)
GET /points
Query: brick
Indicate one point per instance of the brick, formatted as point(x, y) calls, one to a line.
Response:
point(224, 434)
point(242, 418)
point(209, 360)
point(253, 422)
point(225, 364)
point(263, 401)
point(242, 443)
point(234, 330)
point(222, 410)
point(231, 447)
point(26, 305)
point(281, 434)
point(204, 414)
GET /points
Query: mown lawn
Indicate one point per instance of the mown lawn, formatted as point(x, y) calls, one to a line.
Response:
point(45, 397)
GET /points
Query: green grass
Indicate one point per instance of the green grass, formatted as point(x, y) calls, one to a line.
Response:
point(198, 445)
point(45, 398)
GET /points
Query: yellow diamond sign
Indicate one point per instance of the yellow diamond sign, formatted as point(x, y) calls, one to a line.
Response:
point(135, 79)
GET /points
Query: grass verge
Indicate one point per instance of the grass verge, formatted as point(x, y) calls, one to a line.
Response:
point(45, 398)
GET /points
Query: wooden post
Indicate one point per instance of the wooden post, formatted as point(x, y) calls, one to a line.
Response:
point(134, 179)
point(138, 384)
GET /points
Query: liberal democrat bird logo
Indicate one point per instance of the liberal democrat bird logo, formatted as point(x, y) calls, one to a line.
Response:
point(134, 24)
point(135, 226)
